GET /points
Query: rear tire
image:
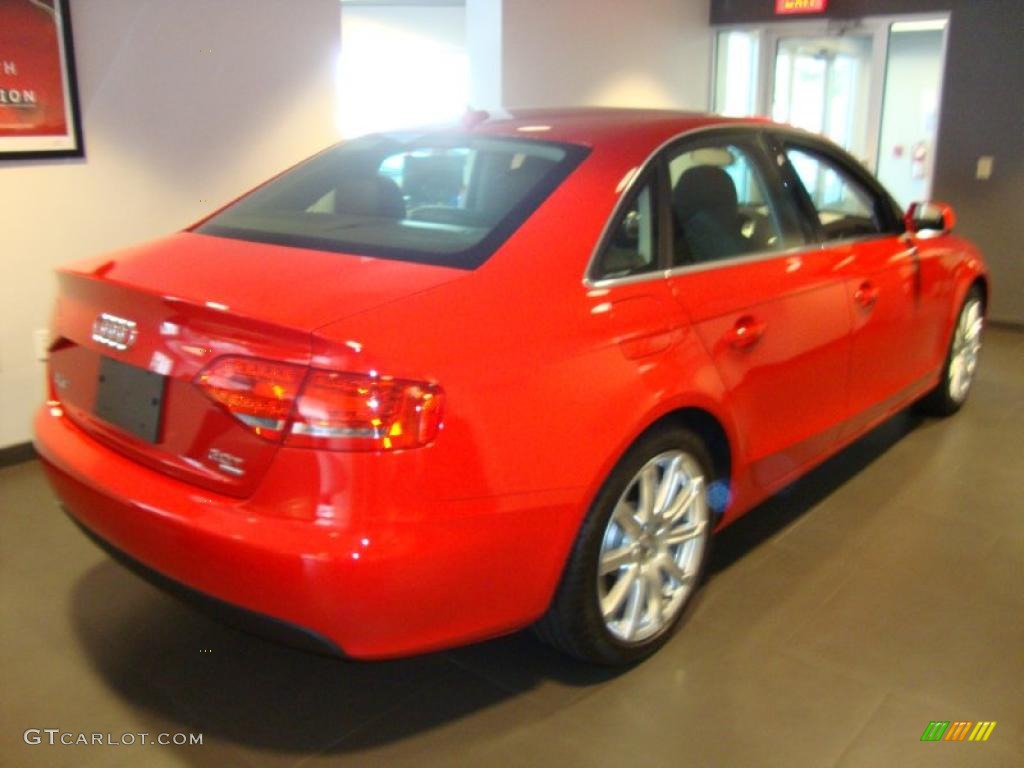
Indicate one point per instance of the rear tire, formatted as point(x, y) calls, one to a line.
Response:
point(639, 555)
point(961, 359)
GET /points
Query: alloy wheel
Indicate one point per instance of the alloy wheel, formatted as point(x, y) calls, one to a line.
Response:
point(653, 546)
point(966, 347)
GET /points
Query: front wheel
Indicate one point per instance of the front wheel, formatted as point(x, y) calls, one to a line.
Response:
point(639, 555)
point(961, 358)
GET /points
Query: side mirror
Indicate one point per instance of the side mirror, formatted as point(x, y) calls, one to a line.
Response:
point(930, 219)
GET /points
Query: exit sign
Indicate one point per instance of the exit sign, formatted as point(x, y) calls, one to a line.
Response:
point(800, 6)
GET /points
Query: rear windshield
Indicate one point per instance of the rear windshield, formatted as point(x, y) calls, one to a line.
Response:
point(438, 199)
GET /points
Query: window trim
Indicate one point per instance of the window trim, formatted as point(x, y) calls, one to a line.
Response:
point(752, 134)
point(771, 137)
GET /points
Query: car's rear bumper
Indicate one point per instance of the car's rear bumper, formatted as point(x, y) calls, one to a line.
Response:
point(372, 586)
point(236, 616)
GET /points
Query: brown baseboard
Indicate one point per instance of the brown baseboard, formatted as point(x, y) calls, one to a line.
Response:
point(16, 454)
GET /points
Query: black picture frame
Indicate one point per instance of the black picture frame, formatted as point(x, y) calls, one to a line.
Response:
point(14, 143)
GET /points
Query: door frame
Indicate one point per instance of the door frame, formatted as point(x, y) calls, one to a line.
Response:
point(876, 27)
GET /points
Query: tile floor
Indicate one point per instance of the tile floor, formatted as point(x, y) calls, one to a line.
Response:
point(883, 591)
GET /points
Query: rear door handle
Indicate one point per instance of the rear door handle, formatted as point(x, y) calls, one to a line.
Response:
point(866, 294)
point(745, 333)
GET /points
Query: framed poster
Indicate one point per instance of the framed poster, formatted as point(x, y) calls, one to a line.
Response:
point(38, 95)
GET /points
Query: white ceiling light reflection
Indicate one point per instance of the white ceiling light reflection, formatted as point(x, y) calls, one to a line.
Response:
point(926, 25)
point(626, 180)
point(392, 76)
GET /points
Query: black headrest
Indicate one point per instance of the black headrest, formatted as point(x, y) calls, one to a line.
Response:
point(705, 188)
point(510, 184)
point(370, 196)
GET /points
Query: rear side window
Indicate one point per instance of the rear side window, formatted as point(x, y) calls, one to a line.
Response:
point(442, 199)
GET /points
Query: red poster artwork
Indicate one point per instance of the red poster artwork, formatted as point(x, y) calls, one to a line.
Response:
point(36, 97)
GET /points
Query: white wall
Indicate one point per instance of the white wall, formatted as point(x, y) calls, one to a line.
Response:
point(170, 133)
point(484, 47)
point(630, 53)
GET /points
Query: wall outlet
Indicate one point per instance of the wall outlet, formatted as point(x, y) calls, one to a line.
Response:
point(41, 344)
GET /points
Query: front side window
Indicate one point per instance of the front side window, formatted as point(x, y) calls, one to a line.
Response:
point(845, 207)
point(440, 199)
point(723, 208)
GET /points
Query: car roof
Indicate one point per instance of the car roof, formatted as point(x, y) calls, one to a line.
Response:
point(594, 126)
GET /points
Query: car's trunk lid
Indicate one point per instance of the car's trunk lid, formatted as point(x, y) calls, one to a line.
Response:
point(132, 331)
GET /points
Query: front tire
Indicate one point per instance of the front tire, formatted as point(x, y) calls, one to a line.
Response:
point(961, 358)
point(639, 555)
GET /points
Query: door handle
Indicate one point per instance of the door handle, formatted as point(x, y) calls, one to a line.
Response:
point(866, 294)
point(745, 333)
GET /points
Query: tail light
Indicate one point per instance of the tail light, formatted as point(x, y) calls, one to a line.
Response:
point(259, 393)
point(325, 409)
point(351, 412)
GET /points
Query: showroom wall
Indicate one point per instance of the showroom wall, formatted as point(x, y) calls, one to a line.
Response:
point(650, 53)
point(982, 113)
point(185, 104)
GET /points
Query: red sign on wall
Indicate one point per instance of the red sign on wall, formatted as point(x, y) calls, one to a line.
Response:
point(800, 6)
point(38, 102)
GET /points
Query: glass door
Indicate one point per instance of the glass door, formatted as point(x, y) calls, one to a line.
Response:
point(871, 85)
point(823, 85)
point(910, 114)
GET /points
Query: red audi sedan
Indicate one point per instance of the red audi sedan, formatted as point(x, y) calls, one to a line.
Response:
point(428, 388)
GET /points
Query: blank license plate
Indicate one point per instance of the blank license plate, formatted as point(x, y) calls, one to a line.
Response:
point(130, 398)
